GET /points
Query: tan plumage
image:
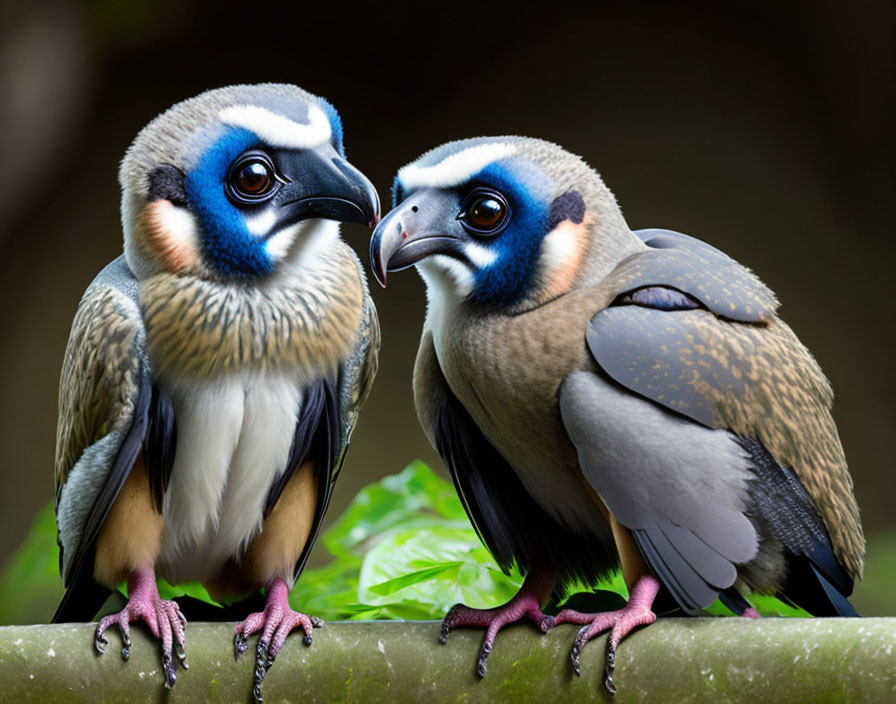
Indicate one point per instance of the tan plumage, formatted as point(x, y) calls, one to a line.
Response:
point(486, 360)
point(215, 371)
point(610, 398)
point(131, 535)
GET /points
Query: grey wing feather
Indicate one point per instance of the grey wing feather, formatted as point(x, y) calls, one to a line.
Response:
point(680, 487)
point(720, 283)
point(660, 238)
point(361, 367)
point(103, 400)
point(653, 353)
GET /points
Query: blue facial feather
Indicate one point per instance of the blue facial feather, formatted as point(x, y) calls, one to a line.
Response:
point(335, 125)
point(397, 192)
point(228, 246)
point(511, 276)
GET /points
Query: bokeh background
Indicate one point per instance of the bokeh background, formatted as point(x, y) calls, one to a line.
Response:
point(767, 129)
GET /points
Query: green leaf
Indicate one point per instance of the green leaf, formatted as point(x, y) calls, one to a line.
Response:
point(448, 570)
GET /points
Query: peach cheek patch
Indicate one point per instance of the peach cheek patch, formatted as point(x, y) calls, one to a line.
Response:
point(563, 254)
point(170, 235)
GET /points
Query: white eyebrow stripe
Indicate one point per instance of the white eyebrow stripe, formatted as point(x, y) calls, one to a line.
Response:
point(456, 169)
point(278, 131)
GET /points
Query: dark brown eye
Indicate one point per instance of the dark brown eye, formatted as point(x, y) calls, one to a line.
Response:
point(484, 212)
point(252, 179)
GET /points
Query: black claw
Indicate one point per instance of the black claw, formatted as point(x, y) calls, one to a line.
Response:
point(99, 642)
point(608, 672)
point(576, 653)
point(263, 663)
point(181, 655)
point(609, 684)
point(316, 622)
point(240, 645)
point(307, 639)
point(126, 647)
point(481, 667)
point(168, 669)
point(261, 651)
point(446, 625)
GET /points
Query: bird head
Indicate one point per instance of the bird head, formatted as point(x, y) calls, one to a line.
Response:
point(505, 223)
point(236, 182)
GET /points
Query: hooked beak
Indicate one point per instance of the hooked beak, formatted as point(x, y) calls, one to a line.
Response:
point(326, 186)
point(396, 246)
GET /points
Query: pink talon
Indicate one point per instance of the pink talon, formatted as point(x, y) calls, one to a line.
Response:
point(275, 622)
point(637, 612)
point(164, 619)
point(527, 602)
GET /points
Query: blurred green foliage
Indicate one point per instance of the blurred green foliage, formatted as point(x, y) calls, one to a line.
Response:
point(403, 549)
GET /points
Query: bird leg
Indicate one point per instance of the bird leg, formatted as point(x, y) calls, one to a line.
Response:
point(637, 612)
point(163, 617)
point(275, 623)
point(528, 600)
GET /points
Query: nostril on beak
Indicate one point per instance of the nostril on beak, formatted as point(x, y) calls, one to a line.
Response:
point(414, 209)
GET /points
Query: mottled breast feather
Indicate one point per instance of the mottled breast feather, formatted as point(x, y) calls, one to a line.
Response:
point(754, 379)
point(202, 328)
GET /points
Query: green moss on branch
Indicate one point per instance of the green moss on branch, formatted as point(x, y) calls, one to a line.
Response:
point(705, 659)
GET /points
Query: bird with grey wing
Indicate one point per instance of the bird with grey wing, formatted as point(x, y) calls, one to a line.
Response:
point(608, 398)
point(215, 371)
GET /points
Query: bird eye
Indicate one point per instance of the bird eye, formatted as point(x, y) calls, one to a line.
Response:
point(252, 178)
point(484, 212)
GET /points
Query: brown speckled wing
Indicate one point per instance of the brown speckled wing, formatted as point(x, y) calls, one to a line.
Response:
point(104, 400)
point(101, 374)
point(362, 367)
point(756, 380)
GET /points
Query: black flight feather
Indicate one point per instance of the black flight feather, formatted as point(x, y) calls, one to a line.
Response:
point(508, 520)
point(160, 445)
point(816, 580)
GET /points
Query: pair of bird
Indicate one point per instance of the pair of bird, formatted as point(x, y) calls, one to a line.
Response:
point(602, 397)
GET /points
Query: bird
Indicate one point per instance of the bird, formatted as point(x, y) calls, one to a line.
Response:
point(609, 398)
point(216, 369)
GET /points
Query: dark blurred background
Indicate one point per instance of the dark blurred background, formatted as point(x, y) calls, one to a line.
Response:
point(765, 128)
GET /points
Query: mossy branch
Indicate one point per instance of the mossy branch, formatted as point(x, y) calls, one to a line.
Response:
point(705, 659)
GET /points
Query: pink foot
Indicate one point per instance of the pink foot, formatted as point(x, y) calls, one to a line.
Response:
point(638, 612)
point(750, 612)
point(163, 618)
point(275, 623)
point(527, 602)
